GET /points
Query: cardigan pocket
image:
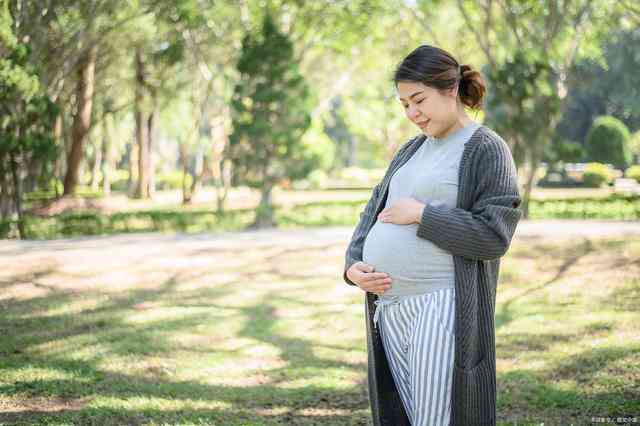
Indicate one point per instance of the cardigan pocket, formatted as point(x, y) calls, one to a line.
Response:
point(477, 394)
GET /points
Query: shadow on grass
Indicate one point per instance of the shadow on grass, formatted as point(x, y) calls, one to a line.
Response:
point(564, 386)
point(28, 331)
point(565, 390)
point(504, 313)
point(569, 391)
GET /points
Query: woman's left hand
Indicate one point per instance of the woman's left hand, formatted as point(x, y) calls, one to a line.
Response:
point(404, 211)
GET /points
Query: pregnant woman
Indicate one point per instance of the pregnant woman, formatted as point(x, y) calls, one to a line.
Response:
point(427, 250)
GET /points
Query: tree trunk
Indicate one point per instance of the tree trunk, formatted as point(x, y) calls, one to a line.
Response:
point(133, 168)
point(97, 165)
point(151, 134)
point(5, 195)
point(264, 212)
point(142, 189)
point(222, 188)
point(353, 147)
point(107, 156)
point(17, 193)
point(32, 175)
point(184, 163)
point(57, 137)
point(220, 170)
point(197, 173)
point(535, 157)
point(82, 119)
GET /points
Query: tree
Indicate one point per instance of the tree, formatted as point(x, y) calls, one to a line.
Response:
point(524, 87)
point(604, 86)
point(555, 34)
point(271, 105)
point(26, 123)
point(608, 142)
point(82, 119)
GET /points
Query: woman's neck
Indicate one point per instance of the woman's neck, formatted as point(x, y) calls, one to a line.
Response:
point(462, 120)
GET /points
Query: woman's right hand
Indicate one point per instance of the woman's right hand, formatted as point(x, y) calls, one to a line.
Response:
point(364, 276)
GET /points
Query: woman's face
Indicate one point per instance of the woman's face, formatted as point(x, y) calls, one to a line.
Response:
point(432, 111)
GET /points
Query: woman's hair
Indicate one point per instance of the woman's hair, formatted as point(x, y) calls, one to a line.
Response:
point(437, 68)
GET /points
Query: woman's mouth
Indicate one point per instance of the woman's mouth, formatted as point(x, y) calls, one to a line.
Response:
point(423, 124)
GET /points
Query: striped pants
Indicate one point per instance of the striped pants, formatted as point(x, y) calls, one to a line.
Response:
point(418, 338)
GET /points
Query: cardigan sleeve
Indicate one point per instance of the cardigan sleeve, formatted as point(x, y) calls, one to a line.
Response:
point(484, 232)
point(354, 250)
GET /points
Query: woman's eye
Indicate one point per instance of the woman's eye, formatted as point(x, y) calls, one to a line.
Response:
point(418, 102)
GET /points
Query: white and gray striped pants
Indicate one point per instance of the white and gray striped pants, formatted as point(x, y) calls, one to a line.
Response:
point(418, 338)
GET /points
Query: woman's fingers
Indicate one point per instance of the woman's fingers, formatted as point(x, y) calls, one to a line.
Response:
point(375, 282)
point(378, 282)
point(375, 285)
point(376, 276)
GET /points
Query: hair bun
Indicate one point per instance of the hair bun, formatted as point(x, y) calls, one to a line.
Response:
point(472, 87)
point(463, 69)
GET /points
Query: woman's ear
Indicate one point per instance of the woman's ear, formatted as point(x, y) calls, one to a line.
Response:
point(453, 92)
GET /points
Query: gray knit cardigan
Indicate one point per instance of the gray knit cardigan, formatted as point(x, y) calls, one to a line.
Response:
point(477, 233)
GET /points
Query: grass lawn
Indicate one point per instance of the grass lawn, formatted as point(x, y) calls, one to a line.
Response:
point(167, 334)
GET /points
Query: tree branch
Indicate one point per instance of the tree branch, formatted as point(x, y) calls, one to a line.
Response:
point(423, 23)
point(484, 45)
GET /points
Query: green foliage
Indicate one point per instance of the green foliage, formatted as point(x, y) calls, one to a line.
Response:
point(119, 180)
point(325, 213)
point(315, 151)
point(634, 145)
point(605, 85)
point(17, 81)
point(597, 174)
point(271, 105)
point(608, 142)
point(318, 179)
point(27, 149)
point(633, 172)
point(522, 101)
point(94, 223)
point(565, 151)
point(172, 180)
point(612, 208)
point(7, 38)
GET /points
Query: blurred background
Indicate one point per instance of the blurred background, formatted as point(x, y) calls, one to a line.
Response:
point(139, 137)
point(192, 114)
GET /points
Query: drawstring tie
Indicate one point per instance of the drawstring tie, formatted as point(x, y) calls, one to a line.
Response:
point(393, 300)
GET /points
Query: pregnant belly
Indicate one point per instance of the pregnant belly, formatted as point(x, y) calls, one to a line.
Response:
point(398, 251)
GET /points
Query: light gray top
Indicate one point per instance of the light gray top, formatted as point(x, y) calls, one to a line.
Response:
point(416, 265)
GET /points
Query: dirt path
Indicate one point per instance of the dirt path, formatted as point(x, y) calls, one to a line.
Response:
point(146, 244)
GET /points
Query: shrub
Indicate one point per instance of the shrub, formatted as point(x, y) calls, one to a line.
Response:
point(633, 172)
point(608, 142)
point(318, 179)
point(118, 180)
point(171, 180)
point(565, 150)
point(596, 174)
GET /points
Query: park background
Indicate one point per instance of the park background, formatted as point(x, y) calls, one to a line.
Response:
point(179, 180)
